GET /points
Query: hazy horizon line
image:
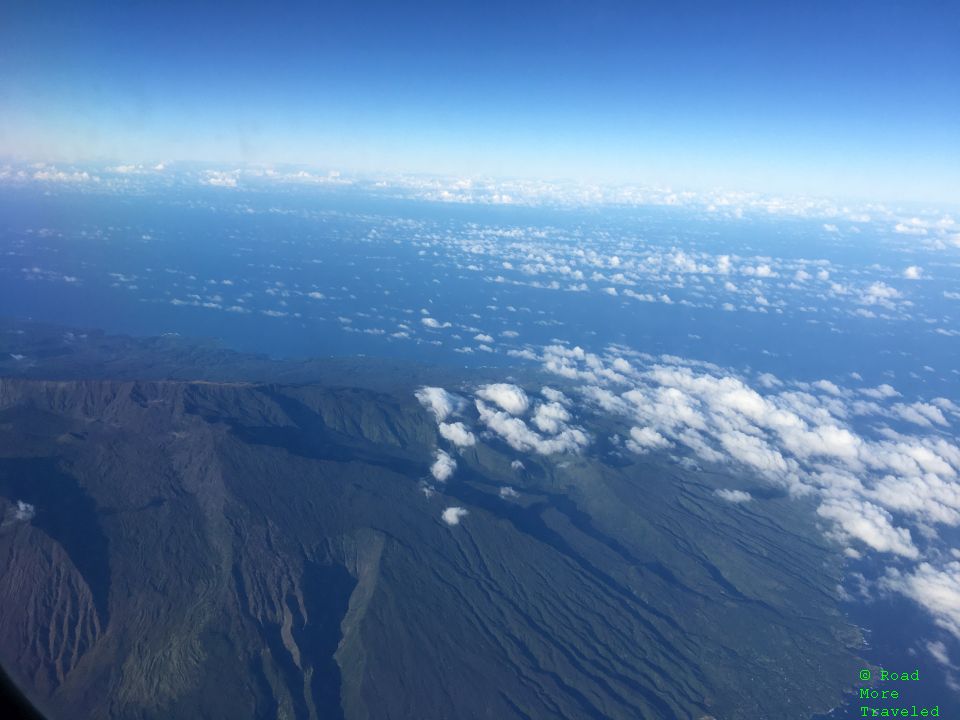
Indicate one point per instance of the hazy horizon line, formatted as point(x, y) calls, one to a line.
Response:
point(319, 172)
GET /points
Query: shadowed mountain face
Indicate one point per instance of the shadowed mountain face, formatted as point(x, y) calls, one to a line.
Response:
point(211, 549)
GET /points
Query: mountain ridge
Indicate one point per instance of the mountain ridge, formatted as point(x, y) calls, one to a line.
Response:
point(271, 553)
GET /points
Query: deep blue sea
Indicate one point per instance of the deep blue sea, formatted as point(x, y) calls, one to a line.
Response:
point(242, 267)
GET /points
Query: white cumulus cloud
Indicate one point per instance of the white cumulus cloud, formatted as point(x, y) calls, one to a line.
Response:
point(443, 466)
point(458, 434)
point(734, 496)
point(434, 323)
point(508, 397)
point(438, 401)
point(643, 440)
point(936, 589)
point(453, 515)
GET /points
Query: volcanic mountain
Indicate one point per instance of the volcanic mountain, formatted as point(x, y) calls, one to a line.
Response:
point(178, 541)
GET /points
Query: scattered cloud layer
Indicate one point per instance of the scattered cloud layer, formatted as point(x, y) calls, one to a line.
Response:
point(879, 487)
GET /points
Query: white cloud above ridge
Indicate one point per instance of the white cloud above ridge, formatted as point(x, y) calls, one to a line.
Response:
point(457, 434)
point(439, 402)
point(885, 492)
point(733, 496)
point(508, 397)
point(453, 515)
point(443, 466)
point(794, 438)
point(550, 417)
point(516, 433)
point(870, 524)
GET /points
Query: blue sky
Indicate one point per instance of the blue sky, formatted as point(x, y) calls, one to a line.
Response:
point(857, 99)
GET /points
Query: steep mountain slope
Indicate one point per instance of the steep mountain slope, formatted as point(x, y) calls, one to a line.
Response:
point(213, 549)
